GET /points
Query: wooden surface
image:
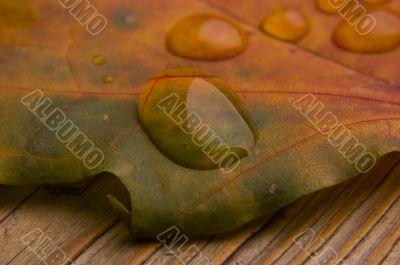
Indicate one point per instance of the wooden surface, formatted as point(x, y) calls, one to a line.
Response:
point(357, 221)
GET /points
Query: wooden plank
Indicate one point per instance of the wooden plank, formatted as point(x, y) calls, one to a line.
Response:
point(12, 197)
point(353, 226)
point(215, 250)
point(70, 222)
point(381, 236)
point(116, 247)
point(318, 216)
point(393, 257)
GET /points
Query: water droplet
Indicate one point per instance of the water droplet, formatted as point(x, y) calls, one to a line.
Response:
point(107, 79)
point(190, 115)
point(98, 59)
point(206, 37)
point(125, 18)
point(286, 24)
point(326, 6)
point(384, 37)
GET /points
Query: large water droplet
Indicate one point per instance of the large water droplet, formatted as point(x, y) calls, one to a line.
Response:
point(206, 37)
point(286, 24)
point(191, 117)
point(384, 37)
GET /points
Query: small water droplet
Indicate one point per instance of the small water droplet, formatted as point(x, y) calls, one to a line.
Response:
point(206, 37)
point(273, 187)
point(286, 24)
point(384, 37)
point(190, 115)
point(98, 59)
point(126, 18)
point(107, 79)
point(326, 6)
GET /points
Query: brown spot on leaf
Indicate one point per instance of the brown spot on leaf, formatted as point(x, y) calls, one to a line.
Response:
point(273, 187)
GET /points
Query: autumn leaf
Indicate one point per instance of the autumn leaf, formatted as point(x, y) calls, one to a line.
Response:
point(381, 65)
point(52, 68)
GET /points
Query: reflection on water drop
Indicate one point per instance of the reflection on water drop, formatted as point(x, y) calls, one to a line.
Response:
point(206, 37)
point(98, 59)
point(191, 115)
point(107, 79)
point(286, 24)
point(384, 37)
point(326, 6)
point(16, 13)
